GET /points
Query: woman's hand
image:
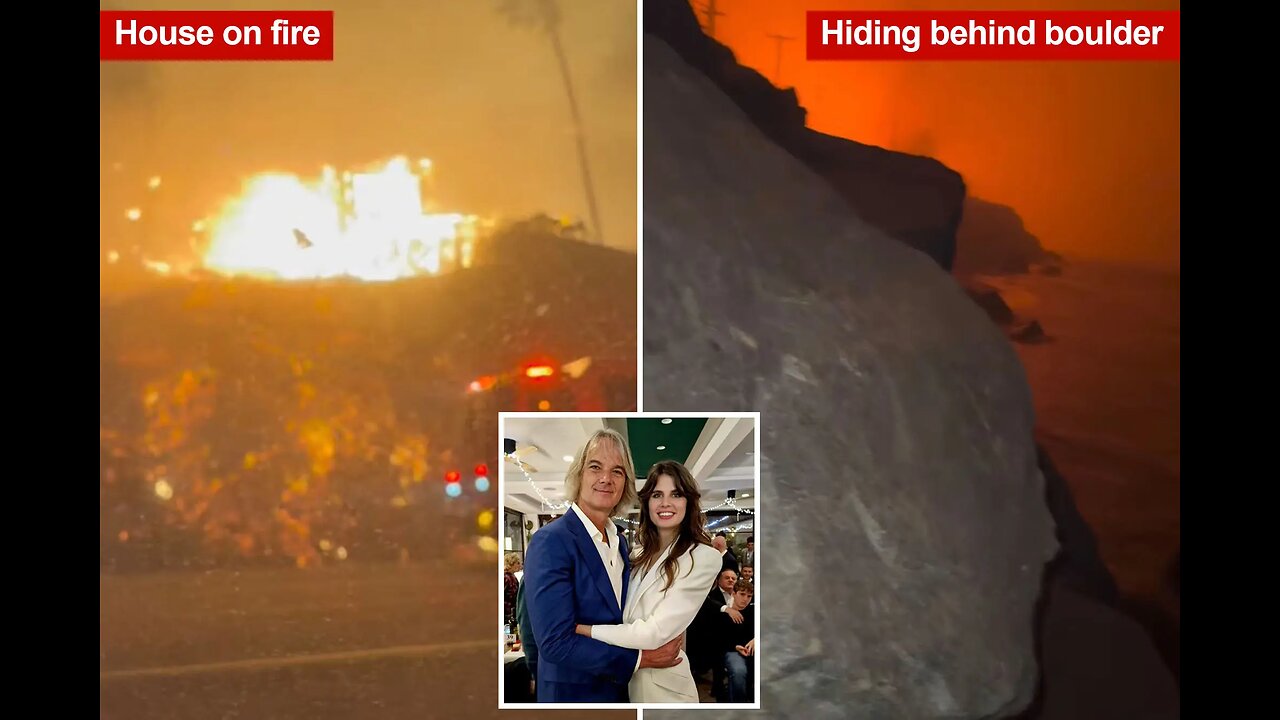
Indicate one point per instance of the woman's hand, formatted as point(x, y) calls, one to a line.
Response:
point(583, 630)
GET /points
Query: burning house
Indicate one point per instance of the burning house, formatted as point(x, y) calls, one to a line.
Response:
point(372, 224)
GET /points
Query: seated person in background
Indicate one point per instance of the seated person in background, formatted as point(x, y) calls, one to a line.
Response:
point(735, 644)
point(699, 643)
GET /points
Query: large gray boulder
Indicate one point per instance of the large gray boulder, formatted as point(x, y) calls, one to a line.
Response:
point(903, 528)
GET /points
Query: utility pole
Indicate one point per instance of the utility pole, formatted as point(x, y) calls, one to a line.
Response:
point(778, 40)
point(712, 13)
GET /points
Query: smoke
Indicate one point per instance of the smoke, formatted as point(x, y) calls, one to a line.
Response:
point(460, 83)
point(540, 14)
point(1087, 153)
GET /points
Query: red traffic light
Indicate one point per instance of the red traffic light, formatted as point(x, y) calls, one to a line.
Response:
point(452, 476)
point(482, 470)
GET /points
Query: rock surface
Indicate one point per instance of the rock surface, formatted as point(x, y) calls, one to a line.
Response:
point(992, 240)
point(906, 530)
point(988, 298)
point(1096, 661)
point(1030, 333)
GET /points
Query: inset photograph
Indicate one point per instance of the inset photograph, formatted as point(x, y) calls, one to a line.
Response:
point(629, 545)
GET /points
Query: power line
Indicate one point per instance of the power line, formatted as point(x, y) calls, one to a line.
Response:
point(712, 13)
point(778, 40)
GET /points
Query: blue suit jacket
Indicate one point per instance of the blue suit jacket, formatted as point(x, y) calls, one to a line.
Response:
point(566, 585)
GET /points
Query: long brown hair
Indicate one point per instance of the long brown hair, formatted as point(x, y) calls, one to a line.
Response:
point(692, 530)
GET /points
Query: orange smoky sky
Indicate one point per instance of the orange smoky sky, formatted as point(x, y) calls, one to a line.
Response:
point(456, 82)
point(1086, 152)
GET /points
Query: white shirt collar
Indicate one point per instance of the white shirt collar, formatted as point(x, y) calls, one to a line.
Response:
point(594, 531)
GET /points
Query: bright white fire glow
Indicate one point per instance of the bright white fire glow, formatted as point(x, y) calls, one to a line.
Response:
point(368, 225)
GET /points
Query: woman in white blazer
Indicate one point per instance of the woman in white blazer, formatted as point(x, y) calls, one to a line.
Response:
point(673, 569)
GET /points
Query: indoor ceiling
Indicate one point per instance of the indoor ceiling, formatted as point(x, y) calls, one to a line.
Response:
point(719, 452)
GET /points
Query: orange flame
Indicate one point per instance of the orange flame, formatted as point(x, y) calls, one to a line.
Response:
point(371, 226)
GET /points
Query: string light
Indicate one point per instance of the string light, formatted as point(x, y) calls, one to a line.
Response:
point(546, 504)
point(732, 504)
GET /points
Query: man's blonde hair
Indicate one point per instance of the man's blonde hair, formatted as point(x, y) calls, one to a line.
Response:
point(573, 479)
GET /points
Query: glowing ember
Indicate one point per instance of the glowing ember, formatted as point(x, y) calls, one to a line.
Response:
point(164, 490)
point(370, 226)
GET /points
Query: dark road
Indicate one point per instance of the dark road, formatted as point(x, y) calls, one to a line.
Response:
point(383, 641)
